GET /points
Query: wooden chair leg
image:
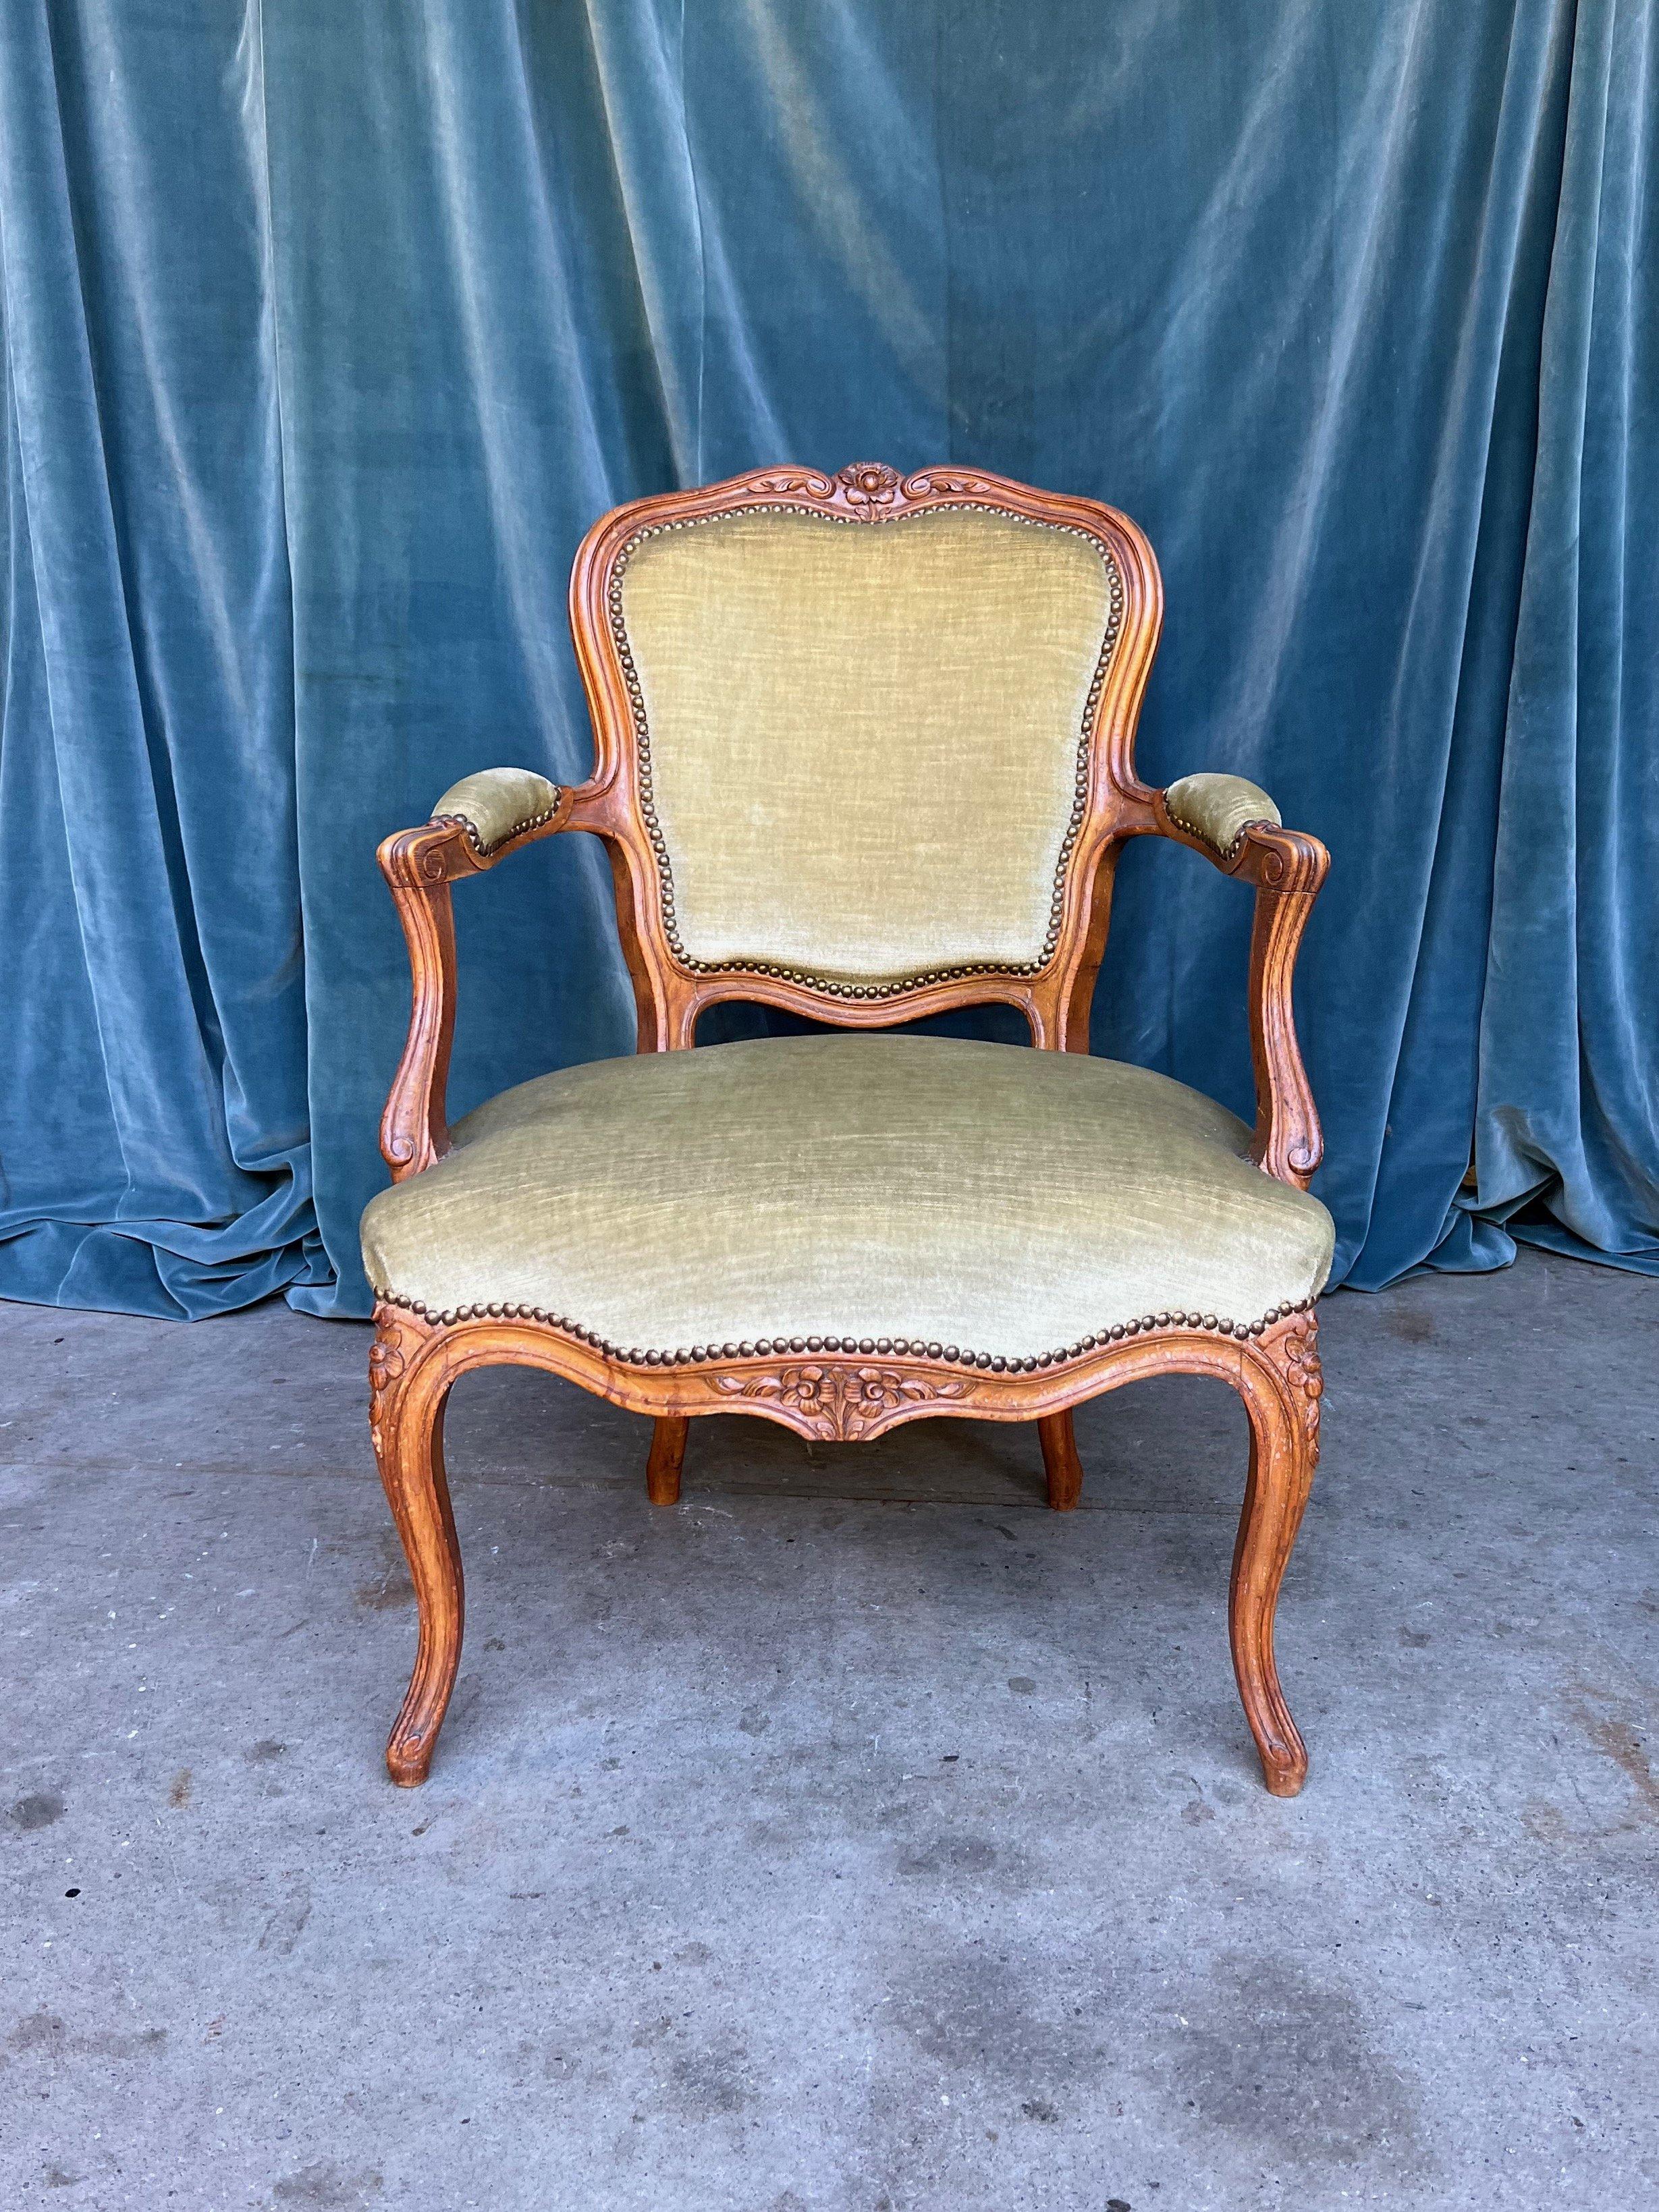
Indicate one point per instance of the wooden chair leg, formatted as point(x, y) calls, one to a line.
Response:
point(408, 1429)
point(1284, 1452)
point(1059, 1457)
point(662, 1470)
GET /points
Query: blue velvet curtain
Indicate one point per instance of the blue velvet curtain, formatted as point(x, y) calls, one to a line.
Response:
point(329, 328)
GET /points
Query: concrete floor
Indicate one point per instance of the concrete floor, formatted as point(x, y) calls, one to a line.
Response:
point(857, 1837)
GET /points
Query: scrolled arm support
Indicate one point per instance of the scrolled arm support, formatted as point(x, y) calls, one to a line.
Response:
point(477, 822)
point(1237, 827)
point(1287, 867)
point(419, 866)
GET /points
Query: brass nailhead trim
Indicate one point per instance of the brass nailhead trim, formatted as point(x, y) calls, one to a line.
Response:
point(517, 830)
point(1226, 852)
point(832, 987)
point(701, 1355)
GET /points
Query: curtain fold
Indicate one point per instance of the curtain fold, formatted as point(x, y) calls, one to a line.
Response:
point(1568, 1126)
point(328, 331)
point(152, 1080)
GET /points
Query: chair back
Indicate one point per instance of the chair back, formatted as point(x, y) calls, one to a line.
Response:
point(875, 735)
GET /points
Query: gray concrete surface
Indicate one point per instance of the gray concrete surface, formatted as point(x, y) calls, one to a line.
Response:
point(857, 1837)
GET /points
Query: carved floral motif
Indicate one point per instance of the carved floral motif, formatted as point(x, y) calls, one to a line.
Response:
point(386, 1368)
point(867, 491)
point(842, 1403)
point(868, 483)
point(1304, 1375)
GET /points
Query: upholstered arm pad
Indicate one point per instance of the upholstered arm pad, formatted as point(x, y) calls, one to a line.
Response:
point(1217, 809)
point(499, 803)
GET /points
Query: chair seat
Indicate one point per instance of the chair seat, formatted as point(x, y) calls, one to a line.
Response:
point(990, 1198)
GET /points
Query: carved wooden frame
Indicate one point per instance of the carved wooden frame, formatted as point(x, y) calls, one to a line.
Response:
point(828, 1388)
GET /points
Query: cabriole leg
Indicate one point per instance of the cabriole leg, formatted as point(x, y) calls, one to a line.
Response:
point(407, 1423)
point(662, 1470)
point(1059, 1457)
point(1283, 1409)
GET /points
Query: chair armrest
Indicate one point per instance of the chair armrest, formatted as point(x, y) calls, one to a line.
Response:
point(1217, 809)
point(1237, 826)
point(498, 805)
point(477, 822)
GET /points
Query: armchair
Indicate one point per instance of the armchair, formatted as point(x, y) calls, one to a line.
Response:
point(864, 750)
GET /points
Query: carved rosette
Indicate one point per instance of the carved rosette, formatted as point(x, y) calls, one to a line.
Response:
point(868, 483)
point(1303, 1372)
point(842, 1404)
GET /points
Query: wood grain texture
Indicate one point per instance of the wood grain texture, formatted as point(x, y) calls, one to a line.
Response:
point(407, 1394)
point(1289, 867)
point(667, 1456)
point(846, 1395)
point(418, 865)
point(1056, 1434)
point(1283, 1399)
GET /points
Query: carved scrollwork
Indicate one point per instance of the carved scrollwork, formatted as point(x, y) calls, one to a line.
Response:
point(931, 481)
point(807, 481)
point(868, 490)
point(1284, 860)
point(841, 1403)
point(435, 852)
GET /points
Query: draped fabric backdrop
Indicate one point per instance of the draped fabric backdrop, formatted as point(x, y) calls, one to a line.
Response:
point(328, 329)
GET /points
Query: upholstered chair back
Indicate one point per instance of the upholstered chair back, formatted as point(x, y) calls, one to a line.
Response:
point(863, 751)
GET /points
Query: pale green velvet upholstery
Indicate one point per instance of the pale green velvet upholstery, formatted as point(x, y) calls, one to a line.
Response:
point(1219, 808)
point(498, 802)
point(864, 740)
point(989, 1197)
